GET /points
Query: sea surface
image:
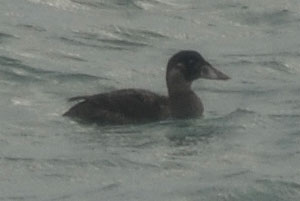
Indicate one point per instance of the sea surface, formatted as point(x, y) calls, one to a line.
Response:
point(246, 147)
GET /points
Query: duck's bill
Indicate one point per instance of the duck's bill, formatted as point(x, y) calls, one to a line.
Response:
point(209, 72)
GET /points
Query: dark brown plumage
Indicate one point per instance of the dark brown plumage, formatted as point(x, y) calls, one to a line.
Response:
point(120, 107)
point(140, 106)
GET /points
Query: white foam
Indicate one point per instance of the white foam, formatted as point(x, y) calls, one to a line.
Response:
point(61, 4)
point(20, 101)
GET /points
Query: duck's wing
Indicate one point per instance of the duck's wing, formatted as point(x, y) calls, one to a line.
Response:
point(121, 106)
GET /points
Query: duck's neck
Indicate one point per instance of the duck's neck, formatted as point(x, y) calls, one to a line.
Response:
point(184, 103)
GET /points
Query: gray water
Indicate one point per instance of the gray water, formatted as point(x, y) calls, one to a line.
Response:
point(246, 146)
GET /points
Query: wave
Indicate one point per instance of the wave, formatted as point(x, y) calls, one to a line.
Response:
point(112, 4)
point(272, 17)
point(60, 4)
point(272, 54)
point(114, 38)
point(130, 4)
point(5, 36)
point(270, 63)
point(32, 27)
point(14, 70)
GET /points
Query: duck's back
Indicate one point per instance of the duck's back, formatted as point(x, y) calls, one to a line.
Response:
point(120, 106)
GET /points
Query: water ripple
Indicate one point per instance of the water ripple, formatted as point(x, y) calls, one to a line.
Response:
point(18, 198)
point(272, 18)
point(131, 4)
point(137, 34)
point(114, 37)
point(14, 70)
point(64, 55)
point(113, 4)
point(32, 27)
point(277, 66)
point(272, 54)
point(61, 4)
point(285, 190)
point(4, 36)
point(97, 46)
point(236, 174)
point(92, 4)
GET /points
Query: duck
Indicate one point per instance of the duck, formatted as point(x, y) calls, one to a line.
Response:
point(134, 106)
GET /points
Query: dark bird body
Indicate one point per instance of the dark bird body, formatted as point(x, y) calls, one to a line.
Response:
point(140, 106)
point(120, 107)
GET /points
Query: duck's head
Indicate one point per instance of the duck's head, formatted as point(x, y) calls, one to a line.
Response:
point(190, 65)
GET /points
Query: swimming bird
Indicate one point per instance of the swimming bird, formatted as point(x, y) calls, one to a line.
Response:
point(129, 106)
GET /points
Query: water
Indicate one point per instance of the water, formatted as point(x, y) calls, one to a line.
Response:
point(246, 147)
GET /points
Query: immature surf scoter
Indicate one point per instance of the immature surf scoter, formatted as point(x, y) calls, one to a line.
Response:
point(126, 106)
